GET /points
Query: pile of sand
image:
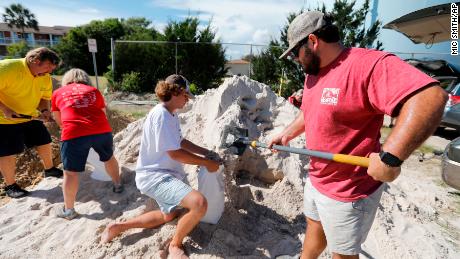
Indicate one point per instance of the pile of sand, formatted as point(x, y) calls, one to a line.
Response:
point(263, 208)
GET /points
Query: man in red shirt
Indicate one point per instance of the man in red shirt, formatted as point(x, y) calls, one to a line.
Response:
point(347, 91)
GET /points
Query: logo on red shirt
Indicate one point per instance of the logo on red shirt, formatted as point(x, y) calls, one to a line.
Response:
point(330, 96)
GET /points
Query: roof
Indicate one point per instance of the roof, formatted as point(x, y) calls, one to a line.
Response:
point(55, 30)
point(238, 61)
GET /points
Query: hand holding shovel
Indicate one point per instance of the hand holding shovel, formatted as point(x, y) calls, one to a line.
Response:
point(238, 138)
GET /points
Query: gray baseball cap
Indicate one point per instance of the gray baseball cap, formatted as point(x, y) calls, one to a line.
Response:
point(181, 81)
point(302, 26)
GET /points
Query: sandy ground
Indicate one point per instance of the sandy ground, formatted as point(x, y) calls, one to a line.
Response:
point(418, 217)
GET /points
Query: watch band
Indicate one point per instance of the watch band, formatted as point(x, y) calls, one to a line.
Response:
point(390, 159)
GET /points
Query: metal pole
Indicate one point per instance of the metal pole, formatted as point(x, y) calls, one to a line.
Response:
point(112, 49)
point(250, 62)
point(176, 58)
point(95, 69)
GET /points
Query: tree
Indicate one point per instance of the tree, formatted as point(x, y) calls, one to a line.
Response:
point(269, 69)
point(137, 26)
point(203, 63)
point(73, 48)
point(138, 66)
point(20, 17)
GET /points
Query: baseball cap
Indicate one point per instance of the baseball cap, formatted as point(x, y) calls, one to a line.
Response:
point(181, 81)
point(302, 26)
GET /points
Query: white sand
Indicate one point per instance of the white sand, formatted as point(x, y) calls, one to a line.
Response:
point(419, 217)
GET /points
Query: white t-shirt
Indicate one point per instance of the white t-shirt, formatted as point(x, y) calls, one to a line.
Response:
point(161, 133)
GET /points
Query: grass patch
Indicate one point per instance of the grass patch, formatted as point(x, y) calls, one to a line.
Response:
point(137, 114)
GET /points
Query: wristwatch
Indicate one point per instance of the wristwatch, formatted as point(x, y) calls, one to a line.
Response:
point(390, 159)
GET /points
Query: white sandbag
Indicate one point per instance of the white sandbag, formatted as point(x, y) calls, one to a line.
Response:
point(211, 185)
point(98, 168)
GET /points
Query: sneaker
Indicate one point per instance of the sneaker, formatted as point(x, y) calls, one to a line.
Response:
point(67, 213)
point(53, 172)
point(118, 188)
point(14, 191)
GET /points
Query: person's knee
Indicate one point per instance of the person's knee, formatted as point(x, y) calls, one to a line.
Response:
point(200, 204)
point(112, 160)
point(70, 175)
point(169, 217)
point(316, 242)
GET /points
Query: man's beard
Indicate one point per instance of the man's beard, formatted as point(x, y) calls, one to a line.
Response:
point(312, 68)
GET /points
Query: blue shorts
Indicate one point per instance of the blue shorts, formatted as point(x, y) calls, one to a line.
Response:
point(74, 152)
point(168, 192)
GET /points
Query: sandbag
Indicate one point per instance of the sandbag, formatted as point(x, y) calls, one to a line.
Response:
point(211, 185)
point(98, 172)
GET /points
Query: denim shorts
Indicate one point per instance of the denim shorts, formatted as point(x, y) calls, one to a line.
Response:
point(74, 152)
point(345, 224)
point(167, 191)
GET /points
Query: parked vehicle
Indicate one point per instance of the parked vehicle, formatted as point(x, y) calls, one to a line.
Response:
point(451, 164)
point(429, 26)
point(451, 116)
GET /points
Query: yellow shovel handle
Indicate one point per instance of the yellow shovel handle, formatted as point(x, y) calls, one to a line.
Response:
point(351, 160)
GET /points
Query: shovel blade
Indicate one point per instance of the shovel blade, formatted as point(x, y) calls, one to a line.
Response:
point(231, 135)
point(232, 138)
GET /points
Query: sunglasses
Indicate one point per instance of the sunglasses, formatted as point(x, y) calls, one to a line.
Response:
point(295, 51)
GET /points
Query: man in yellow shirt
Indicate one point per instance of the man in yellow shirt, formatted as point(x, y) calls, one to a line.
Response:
point(25, 93)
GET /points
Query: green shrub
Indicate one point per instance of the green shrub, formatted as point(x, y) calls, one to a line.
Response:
point(112, 84)
point(17, 50)
point(194, 89)
point(131, 82)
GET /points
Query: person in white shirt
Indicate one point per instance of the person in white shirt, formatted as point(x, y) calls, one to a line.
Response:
point(159, 170)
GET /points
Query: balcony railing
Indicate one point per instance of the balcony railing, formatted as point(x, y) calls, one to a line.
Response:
point(9, 40)
point(6, 41)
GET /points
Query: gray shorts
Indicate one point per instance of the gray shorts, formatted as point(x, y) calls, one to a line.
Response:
point(345, 224)
point(168, 192)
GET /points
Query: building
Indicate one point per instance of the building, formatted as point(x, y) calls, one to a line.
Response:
point(45, 36)
point(238, 67)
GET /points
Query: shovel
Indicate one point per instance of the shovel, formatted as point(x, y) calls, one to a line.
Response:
point(238, 138)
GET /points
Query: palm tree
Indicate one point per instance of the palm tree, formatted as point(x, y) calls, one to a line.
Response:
point(20, 17)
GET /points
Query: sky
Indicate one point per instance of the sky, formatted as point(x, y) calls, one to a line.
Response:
point(235, 21)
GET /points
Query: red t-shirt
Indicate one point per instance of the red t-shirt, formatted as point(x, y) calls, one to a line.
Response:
point(81, 108)
point(343, 109)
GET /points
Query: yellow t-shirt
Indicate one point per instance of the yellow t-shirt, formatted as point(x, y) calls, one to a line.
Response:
point(20, 90)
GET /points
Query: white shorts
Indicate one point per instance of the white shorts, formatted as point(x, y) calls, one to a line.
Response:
point(345, 224)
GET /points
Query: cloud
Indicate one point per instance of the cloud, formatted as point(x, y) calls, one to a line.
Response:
point(238, 20)
point(89, 10)
point(261, 35)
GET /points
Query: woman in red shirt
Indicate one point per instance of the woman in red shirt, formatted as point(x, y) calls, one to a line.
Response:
point(79, 109)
